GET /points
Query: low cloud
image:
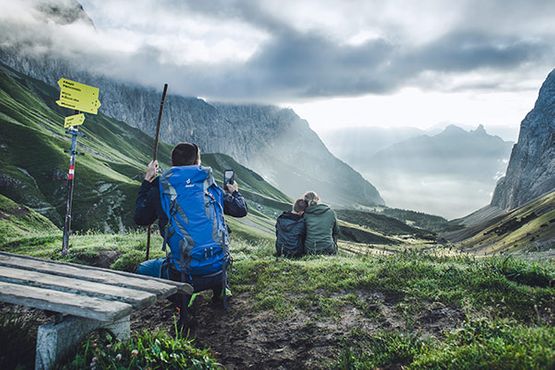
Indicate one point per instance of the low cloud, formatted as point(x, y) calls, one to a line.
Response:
point(243, 51)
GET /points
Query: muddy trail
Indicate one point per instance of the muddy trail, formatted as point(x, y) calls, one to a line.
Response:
point(243, 338)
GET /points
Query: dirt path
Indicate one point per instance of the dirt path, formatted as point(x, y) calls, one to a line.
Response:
point(244, 339)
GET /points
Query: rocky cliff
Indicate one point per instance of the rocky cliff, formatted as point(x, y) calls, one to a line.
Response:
point(273, 141)
point(531, 170)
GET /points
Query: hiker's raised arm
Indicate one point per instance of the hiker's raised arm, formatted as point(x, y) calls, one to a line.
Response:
point(151, 171)
point(234, 203)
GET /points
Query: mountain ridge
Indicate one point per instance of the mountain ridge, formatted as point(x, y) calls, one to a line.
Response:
point(33, 163)
point(219, 127)
point(450, 173)
point(531, 169)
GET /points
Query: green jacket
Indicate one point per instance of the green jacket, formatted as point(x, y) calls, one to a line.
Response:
point(321, 230)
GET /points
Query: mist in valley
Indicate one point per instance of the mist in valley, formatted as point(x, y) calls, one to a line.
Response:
point(450, 172)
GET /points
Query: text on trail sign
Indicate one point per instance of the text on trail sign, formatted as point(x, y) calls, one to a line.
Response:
point(75, 120)
point(78, 96)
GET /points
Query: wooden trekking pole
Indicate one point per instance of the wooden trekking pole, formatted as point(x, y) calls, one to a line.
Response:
point(154, 157)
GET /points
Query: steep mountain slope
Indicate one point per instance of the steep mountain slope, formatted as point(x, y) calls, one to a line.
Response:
point(450, 174)
point(33, 167)
point(531, 170)
point(295, 158)
point(244, 132)
point(529, 228)
point(266, 138)
point(33, 163)
point(275, 142)
point(521, 216)
point(477, 217)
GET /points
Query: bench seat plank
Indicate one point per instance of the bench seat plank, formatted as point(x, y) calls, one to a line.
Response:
point(139, 282)
point(62, 302)
point(137, 298)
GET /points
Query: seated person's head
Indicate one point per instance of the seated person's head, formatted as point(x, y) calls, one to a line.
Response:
point(185, 154)
point(299, 206)
point(311, 198)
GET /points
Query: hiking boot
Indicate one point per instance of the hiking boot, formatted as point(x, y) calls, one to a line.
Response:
point(220, 300)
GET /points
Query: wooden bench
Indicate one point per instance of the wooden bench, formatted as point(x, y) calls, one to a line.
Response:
point(88, 298)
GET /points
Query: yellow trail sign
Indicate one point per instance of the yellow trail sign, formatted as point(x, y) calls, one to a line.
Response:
point(78, 96)
point(75, 120)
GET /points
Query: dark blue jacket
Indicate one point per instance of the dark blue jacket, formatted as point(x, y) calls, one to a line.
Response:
point(290, 235)
point(148, 206)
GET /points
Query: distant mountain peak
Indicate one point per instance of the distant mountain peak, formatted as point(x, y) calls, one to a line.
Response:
point(481, 130)
point(453, 130)
point(63, 12)
point(453, 127)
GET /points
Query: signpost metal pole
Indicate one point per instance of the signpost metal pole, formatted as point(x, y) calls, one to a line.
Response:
point(70, 185)
point(81, 98)
point(154, 157)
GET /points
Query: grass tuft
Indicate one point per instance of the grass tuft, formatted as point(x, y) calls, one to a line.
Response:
point(145, 350)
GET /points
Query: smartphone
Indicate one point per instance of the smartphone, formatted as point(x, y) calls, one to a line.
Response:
point(229, 177)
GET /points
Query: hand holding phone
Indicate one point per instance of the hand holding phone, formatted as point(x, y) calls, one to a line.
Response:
point(229, 181)
point(229, 177)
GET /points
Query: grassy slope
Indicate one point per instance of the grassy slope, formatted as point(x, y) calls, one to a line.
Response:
point(530, 228)
point(18, 221)
point(417, 219)
point(33, 162)
point(382, 223)
point(409, 309)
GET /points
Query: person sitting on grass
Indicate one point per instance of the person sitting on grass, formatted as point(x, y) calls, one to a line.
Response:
point(321, 226)
point(291, 230)
point(190, 208)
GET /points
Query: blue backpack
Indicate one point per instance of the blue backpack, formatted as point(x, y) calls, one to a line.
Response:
point(196, 232)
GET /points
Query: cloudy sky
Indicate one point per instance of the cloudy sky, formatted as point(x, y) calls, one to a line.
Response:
point(336, 62)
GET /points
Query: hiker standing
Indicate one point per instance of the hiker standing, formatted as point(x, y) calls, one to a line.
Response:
point(190, 208)
point(291, 231)
point(321, 226)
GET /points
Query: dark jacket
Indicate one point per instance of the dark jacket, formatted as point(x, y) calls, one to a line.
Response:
point(148, 206)
point(321, 230)
point(290, 234)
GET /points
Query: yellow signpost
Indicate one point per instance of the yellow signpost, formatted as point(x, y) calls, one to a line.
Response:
point(81, 98)
point(77, 96)
point(75, 120)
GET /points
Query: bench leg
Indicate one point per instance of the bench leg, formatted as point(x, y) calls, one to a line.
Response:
point(56, 340)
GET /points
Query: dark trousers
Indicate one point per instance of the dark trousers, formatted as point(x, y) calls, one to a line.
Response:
point(216, 282)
